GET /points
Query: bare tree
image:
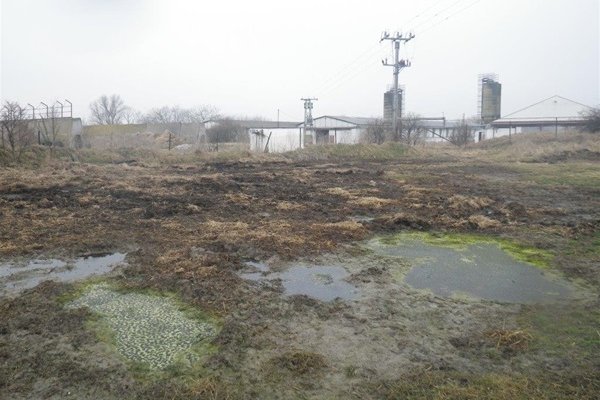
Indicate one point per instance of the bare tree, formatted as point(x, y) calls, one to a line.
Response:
point(463, 133)
point(375, 132)
point(175, 114)
point(108, 110)
point(411, 129)
point(51, 125)
point(592, 120)
point(132, 116)
point(226, 130)
point(15, 128)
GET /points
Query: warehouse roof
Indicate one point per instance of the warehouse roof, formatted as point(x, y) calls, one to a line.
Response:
point(551, 110)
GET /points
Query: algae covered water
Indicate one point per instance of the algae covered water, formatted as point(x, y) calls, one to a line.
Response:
point(480, 269)
point(151, 330)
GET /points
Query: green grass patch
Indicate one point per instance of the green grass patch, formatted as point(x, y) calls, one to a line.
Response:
point(565, 331)
point(575, 173)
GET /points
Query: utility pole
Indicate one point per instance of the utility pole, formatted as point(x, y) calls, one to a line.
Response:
point(308, 120)
point(398, 65)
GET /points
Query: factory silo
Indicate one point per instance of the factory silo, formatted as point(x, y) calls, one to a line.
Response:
point(388, 104)
point(490, 98)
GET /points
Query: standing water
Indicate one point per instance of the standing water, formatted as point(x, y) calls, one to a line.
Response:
point(15, 278)
point(481, 270)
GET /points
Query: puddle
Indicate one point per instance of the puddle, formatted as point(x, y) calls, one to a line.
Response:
point(260, 270)
point(325, 283)
point(151, 330)
point(15, 278)
point(480, 270)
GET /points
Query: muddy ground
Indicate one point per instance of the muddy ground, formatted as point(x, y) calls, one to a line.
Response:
point(189, 228)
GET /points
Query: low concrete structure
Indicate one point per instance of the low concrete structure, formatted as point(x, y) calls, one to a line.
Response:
point(63, 131)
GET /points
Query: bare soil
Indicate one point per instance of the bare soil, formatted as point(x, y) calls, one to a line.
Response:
point(189, 228)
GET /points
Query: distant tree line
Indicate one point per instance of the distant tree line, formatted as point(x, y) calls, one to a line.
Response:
point(112, 110)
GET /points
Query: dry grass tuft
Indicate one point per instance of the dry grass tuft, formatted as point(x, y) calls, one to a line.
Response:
point(338, 191)
point(289, 206)
point(300, 363)
point(239, 198)
point(510, 339)
point(460, 202)
point(483, 222)
point(371, 202)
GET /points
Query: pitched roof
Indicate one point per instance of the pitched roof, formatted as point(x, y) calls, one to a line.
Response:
point(352, 120)
point(552, 107)
point(257, 124)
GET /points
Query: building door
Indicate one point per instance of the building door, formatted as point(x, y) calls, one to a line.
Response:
point(322, 136)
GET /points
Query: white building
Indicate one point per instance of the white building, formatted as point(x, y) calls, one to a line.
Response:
point(550, 115)
point(325, 130)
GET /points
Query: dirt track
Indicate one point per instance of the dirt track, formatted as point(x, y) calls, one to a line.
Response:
point(188, 229)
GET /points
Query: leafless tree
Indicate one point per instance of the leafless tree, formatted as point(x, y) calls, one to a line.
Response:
point(411, 129)
point(15, 129)
point(132, 116)
point(226, 130)
point(375, 132)
point(463, 133)
point(175, 114)
point(51, 126)
point(108, 110)
point(592, 120)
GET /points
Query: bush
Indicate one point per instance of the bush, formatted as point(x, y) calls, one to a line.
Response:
point(592, 120)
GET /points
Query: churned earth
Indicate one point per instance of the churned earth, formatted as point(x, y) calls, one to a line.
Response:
point(226, 238)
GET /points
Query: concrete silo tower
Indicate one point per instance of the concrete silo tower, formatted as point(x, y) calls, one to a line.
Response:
point(489, 98)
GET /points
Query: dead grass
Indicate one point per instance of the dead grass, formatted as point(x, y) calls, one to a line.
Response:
point(510, 339)
point(372, 202)
point(460, 202)
point(289, 206)
point(441, 385)
point(483, 222)
point(299, 363)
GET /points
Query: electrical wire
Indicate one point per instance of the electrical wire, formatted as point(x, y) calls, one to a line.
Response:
point(358, 61)
point(359, 64)
point(433, 17)
point(449, 17)
point(425, 11)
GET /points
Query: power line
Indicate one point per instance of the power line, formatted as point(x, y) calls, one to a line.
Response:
point(425, 11)
point(343, 72)
point(449, 16)
point(437, 14)
point(347, 79)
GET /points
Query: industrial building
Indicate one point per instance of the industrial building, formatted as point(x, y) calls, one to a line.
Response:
point(326, 129)
point(553, 114)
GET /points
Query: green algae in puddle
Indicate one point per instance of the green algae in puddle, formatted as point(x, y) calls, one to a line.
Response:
point(461, 241)
point(480, 269)
point(149, 330)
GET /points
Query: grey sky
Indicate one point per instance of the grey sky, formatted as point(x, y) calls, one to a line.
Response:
point(251, 58)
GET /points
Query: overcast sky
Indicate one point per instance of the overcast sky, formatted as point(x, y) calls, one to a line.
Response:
point(254, 57)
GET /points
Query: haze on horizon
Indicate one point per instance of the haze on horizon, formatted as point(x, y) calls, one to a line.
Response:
point(253, 58)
